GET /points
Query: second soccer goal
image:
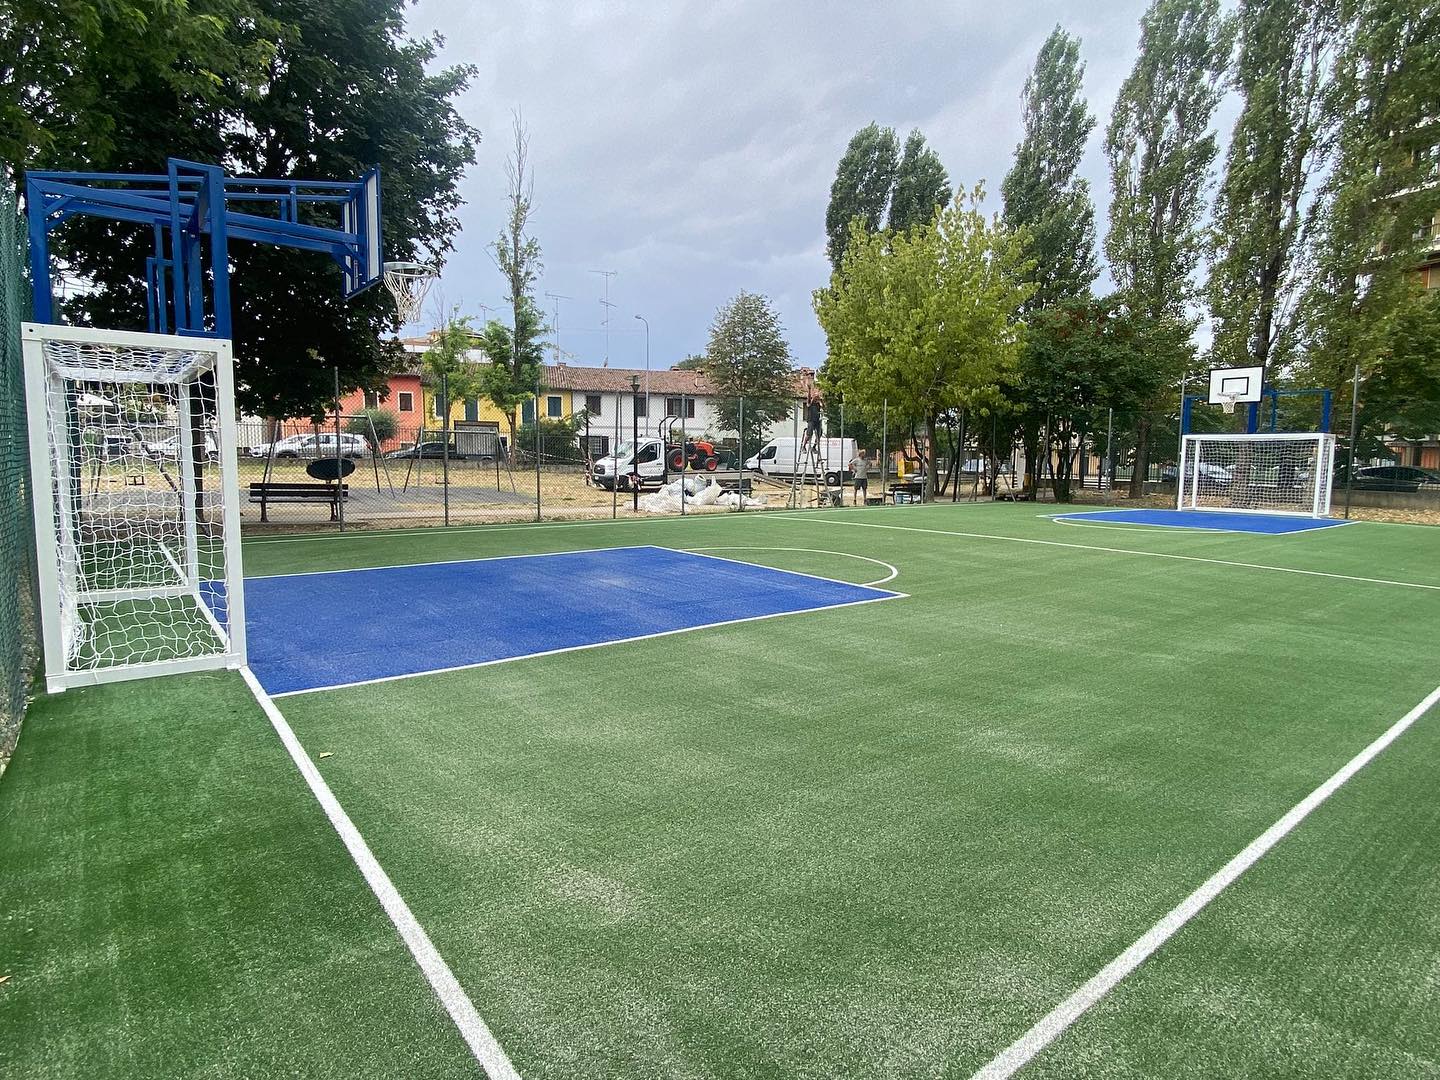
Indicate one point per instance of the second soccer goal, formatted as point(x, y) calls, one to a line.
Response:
point(1287, 473)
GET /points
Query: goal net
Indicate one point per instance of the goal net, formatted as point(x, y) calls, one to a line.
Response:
point(1269, 474)
point(137, 515)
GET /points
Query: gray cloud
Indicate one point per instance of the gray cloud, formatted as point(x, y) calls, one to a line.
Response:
point(691, 146)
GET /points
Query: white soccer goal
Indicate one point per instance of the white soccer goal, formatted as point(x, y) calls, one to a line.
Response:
point(1264, 474)
point(137, 511)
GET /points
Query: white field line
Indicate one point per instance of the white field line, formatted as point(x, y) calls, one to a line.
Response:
point(1019, 1053)
point(473, 1029)
point(1138, 554)
point(542, 526)
point(600, 644)
point(704, 553)
point(894, 573)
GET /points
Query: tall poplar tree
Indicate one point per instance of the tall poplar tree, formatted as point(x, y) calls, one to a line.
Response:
point(1381, 198)
point(1285, 59)
point(1043, 192)
point(863, 182)
point(1160, 147)
point(921, 185)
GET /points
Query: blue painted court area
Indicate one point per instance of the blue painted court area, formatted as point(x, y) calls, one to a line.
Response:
point(324, 630)
point(1213, 520)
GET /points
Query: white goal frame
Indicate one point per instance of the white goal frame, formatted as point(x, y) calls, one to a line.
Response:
point(1311, 496)
point(60, 490)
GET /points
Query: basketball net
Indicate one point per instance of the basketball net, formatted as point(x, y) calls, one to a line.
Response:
point(408, 282)
point(1227, 402)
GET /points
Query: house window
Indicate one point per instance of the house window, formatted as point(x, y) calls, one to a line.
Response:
point(680, 406)
point(435, 409)
point(407, 401)
point(552, 407)
point(527, 412)
point(640, 409)
point(592, 405)
point(372, 399)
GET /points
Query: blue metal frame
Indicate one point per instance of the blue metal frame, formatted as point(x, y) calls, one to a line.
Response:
point(194, 211)
point(1252, 414)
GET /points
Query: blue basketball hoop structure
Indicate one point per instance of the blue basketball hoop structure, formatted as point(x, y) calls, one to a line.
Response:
point(194, 211)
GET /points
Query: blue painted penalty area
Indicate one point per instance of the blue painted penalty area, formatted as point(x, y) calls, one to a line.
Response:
point(1211, 520)
point(328, 630)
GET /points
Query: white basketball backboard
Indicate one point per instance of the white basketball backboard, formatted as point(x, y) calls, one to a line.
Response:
point(1236, 384)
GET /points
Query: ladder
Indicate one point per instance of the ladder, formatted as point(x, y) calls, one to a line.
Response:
point(809, 470)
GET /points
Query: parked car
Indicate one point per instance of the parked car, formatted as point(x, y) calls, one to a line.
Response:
point(315, 446)
point(1406, 478)
point(435, 449)
point(169, 449)
point(1210, 475)
point(648, 463)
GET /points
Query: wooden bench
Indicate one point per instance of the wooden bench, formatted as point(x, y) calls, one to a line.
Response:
point(265, 494)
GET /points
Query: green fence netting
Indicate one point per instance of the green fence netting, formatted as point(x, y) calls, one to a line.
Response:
point(18, 631)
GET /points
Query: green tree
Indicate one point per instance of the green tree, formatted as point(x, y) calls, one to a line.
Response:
point(516, 352)
point(748, 358)
point(863, 182)
point(1043, 192)
point(377, 425)
point(1079, 360)
point(693, 362)
point(1285, 56)
point(446, 366)
point(72, 74)
point(1381, 197)
point(926, 320)
point(341, 87)
point(1160, 148)
point(921, 185)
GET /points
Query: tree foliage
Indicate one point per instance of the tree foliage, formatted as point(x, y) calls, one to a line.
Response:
point(1381, 196)
point(1285, 57)
point(262, 87)
point(516, 352)
point(1160, 148)
point(446, 366)
point(863, 182)
point(926, 320)
point(921, 185)
point(748, 357)
point(1043, 192)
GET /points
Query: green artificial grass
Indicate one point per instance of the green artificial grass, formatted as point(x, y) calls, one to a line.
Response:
point(871, 841)
point(174, 903)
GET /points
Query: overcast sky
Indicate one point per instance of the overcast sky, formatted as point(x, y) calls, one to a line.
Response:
point(690, 147)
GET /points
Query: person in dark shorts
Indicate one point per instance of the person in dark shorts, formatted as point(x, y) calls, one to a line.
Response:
point(860, 466)
point(812, 420)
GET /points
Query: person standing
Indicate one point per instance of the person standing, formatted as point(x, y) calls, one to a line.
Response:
point(860, 466)
point(812, 420)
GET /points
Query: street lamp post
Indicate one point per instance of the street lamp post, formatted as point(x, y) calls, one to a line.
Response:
point(635, 443)
point(647, 365)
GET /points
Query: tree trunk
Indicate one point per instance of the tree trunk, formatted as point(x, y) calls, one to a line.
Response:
point(1142, 457)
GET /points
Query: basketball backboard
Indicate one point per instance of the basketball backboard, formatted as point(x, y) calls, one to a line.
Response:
point(1234, 385)
point(361, 215)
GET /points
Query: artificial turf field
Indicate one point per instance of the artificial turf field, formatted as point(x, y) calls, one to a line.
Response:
point(881, 840)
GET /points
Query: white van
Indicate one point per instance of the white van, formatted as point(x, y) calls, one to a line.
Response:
point(648, 461)
point(778, 458)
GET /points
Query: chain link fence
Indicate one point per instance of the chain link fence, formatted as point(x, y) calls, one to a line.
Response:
point(18, 632)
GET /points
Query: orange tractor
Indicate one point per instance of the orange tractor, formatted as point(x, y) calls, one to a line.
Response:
point(696, 455)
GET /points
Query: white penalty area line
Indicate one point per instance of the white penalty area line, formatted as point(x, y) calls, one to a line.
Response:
point(1134, 552)
point(1019, 1053)
point(705, 551)
point(473, 1029)
point(880, 599)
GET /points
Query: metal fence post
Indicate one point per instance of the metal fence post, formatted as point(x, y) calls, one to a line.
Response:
point(339, 468)
point(538, 444)
point(740, 461)
point(1354, 428)
point(884, 445)
point(444, 445)
point(1108, 477)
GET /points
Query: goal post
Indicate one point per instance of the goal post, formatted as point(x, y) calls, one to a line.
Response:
point(136, 503)
point(1272, 473)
